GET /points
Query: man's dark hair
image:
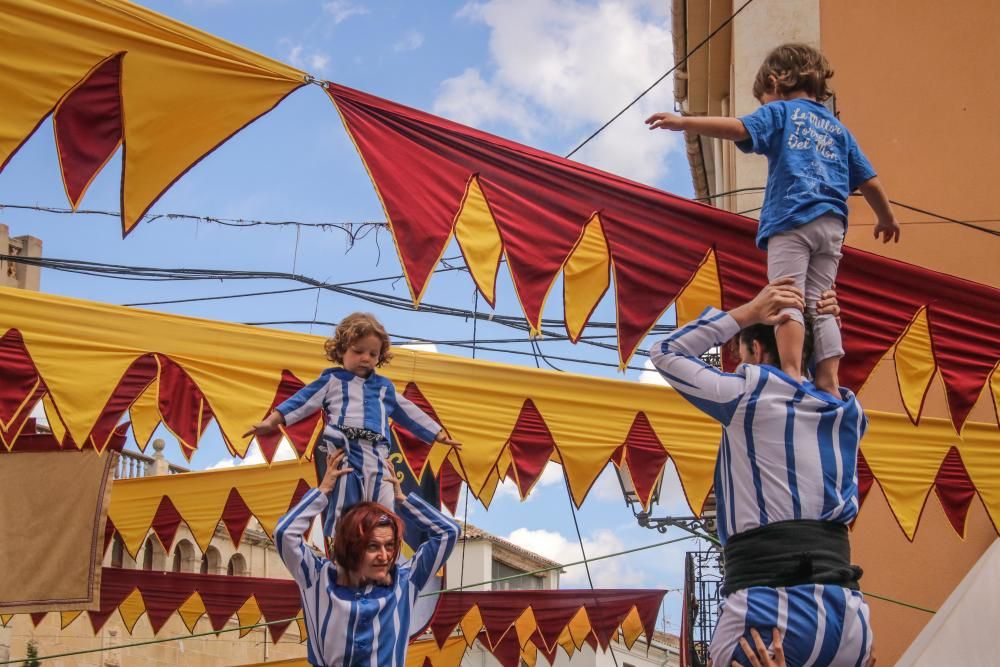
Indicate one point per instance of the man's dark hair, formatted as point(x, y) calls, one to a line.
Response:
point(764, 334)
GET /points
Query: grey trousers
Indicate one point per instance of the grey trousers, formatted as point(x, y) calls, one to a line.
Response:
point(810, 254)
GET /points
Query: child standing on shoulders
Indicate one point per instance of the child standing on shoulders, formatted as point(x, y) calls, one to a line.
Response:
point(357, 403)
point(813, 165)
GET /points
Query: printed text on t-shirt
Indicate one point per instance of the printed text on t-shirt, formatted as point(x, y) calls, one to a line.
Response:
point(812, 131)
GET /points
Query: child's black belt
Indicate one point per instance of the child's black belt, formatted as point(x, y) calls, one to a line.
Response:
point(790, 553)
point(355, 433)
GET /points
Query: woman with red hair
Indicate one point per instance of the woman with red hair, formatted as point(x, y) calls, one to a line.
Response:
point(357, 609)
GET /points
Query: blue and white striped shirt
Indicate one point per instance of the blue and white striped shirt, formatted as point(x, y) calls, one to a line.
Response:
point(350, 400)
point(788, 451)
point(361, 626)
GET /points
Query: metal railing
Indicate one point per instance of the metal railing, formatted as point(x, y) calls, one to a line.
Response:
point(132, 465)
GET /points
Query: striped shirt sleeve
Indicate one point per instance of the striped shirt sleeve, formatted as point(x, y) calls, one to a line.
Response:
point(431, 555)
point(677, 358)
point(413, 419)
point(305, 401)
point(300, 560)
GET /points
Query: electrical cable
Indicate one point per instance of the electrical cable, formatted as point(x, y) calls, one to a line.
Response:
point(665, 75)
point(579, 537)
point(142, 273)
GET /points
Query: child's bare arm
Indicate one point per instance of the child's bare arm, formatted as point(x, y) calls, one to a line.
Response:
point(874, 194)
point(268, 426)
point(720, 127)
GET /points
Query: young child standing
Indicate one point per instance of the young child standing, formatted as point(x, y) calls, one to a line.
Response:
point(357, 403)
point(813, 166)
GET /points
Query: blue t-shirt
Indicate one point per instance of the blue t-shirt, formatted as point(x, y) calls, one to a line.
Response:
point(813, 164)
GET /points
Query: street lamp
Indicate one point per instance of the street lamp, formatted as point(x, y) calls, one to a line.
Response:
point(703, 526)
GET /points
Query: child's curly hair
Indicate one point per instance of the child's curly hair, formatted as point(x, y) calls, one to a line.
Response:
point(791, 68)
point(350, 329)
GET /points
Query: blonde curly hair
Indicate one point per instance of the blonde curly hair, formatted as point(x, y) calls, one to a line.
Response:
point(352, 328)
point(791, 68)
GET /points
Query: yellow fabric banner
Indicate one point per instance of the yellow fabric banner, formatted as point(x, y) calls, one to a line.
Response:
point(181, 92)
point(81, 350)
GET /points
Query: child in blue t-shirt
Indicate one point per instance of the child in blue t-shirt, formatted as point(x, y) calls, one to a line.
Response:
point(813, 165)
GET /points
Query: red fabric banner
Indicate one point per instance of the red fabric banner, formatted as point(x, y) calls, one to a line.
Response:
point(553, 610)
point(422, 166)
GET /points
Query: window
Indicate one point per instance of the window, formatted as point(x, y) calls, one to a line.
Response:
point(147, 556)
point(211, 561)
point(527, 582)
point(183, 557)
point(237, 566)
point(117, 551)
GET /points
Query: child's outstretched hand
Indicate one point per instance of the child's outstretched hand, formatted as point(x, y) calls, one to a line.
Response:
point(261, 428)
point(888, 229)
point(267, 427)
point(665, 120)
point(442, 436)
point(333, 470)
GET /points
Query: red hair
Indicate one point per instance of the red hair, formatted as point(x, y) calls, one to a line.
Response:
point(355, 529)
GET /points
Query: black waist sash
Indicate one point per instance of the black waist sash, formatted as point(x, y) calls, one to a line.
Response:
point(790, 553)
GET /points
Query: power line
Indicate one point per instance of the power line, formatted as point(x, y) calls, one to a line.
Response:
point(964, 223)
point(125, 272)
point(665, 75)
point(227, 222)
point(222, 297)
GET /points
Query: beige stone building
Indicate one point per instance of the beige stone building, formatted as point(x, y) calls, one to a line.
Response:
point(15, 274)
point(255, 556)
point(486, 557)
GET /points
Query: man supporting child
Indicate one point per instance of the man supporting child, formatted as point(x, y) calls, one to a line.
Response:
point(786, 477)
point(785, 483)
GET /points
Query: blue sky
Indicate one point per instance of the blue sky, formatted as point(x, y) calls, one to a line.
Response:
point(545, 72)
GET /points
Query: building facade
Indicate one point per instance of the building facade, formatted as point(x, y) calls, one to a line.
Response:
point(907, 88)
point(488, 557)
point(479, 557)
point(16, 274)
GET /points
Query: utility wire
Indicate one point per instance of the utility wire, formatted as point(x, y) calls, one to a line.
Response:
point(125, 272)
point(579, 537)
point(227, 222)
point(665, 75)
point(558, 566)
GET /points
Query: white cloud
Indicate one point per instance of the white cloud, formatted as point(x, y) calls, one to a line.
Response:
point(571, 65)
point(410, 41)
point(607, 486)
point(468, 99)
point(551, 475)
point(419, 347)
point(608, 573)
point(314, 62)
point(285, 452)
point(341, 10)
point(650, 375)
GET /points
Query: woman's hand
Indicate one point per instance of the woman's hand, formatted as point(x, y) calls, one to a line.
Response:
point(392, 478)
point(763, 657)
point(333, 460)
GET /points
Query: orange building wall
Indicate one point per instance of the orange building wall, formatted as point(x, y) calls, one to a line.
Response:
point(915, 85)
